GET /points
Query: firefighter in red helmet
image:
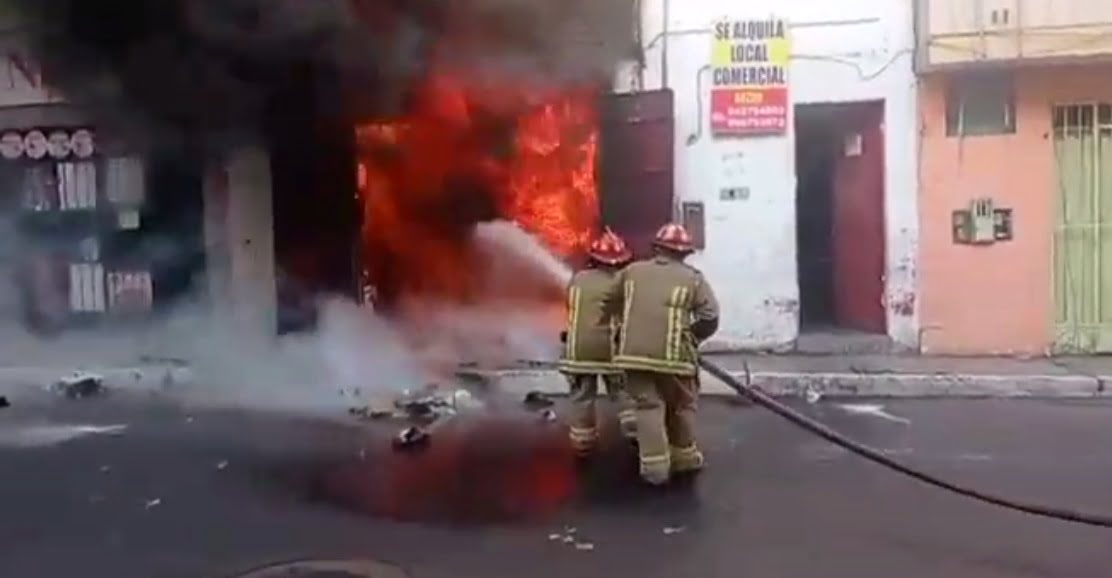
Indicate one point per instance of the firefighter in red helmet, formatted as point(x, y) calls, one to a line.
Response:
point(666, 309)
point(590, 340)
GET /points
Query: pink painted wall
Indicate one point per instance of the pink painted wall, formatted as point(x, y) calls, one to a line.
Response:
point(995, 299)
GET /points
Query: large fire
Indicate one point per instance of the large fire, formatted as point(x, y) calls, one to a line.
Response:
point(466, 153)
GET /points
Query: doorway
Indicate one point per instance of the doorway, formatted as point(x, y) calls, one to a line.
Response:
point(840, 218)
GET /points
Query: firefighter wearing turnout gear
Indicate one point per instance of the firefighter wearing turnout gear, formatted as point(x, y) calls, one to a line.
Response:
point(589, 344)
point(666, 309)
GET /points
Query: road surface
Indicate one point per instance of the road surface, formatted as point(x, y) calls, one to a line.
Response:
point(148, 489)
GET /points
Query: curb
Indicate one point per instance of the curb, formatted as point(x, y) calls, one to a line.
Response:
point(840, 385)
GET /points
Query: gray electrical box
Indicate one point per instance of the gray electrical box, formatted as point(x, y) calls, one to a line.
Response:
point(694, 220)
point(981, 224)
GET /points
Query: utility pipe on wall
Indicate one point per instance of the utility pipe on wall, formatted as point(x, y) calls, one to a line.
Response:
point(666, 9)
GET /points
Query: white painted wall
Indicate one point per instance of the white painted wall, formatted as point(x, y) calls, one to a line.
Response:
point(842, 51)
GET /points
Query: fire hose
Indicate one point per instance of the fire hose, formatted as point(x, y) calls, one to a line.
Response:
point(806, 423)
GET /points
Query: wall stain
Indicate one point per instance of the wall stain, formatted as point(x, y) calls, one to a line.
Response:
point(904, 304)
point(782, 306)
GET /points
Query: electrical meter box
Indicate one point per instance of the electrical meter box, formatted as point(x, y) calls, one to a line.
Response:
point(982, 224)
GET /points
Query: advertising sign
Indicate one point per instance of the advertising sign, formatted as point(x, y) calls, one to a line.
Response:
point(749, 85)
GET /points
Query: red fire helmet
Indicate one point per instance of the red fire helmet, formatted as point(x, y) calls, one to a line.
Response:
point(610, 249)
point(673, 236)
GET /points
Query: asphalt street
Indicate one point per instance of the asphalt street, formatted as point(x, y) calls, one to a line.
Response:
point(139, 487)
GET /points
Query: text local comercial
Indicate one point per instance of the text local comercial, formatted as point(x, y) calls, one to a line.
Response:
point(750, 54)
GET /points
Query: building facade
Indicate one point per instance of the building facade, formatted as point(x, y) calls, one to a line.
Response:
point(66, 200)
point(810, 220)
point(1016, 103)
point(93, 232)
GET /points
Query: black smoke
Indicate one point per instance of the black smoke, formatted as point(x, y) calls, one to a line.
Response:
point(211, 69)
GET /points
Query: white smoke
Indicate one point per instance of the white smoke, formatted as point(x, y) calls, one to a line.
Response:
point(354, 355)
point(519, 317)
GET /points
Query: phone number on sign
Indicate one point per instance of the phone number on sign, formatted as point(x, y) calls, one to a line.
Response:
point(750, 111)
point(750, 123)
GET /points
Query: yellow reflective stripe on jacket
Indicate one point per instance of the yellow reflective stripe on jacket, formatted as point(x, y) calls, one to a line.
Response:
point(673, 348)
point(627, 293)
point(640, 363)
point(573, 322)
point(591, 367)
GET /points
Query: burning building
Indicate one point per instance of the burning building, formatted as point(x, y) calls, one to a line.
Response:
point(409, 154)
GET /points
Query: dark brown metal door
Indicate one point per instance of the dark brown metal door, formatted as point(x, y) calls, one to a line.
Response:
point(858, 228)
point(636, 160)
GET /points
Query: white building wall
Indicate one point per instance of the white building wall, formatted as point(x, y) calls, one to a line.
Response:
point(841, 51)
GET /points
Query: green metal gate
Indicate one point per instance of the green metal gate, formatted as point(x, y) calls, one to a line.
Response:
point(1083, 232)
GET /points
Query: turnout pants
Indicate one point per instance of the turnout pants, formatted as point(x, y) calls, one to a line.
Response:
point(665, 409)
point(584, 410)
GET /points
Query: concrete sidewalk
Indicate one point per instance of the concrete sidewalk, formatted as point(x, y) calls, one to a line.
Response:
point(873, 376)
point(147, 360)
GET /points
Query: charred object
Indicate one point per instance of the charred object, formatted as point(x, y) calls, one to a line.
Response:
point(536, 400)
point(411, 438)
point(369, 412)
point(80, 385)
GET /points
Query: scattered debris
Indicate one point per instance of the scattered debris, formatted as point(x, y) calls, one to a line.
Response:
point(426, 407)
point(153, 503)
point(411, 438)
point(673, 530)
point(570, 536)
point(368, 412)
point(548, 416)
point(812, 395)
point(4, 402)
point(80, 385)
point(538, 400)
point(222, 465)
point(105, 469)
point(462, 399)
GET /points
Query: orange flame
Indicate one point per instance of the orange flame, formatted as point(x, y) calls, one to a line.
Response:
point(465, 154)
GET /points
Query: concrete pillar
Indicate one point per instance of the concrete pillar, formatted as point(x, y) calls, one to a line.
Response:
point(239, 238)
